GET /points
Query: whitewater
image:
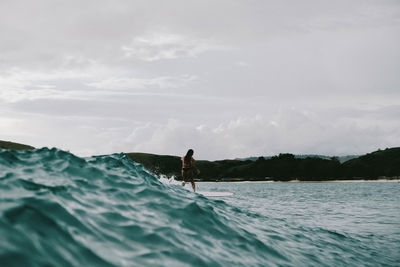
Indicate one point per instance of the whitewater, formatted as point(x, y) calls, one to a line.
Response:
point(57, 209)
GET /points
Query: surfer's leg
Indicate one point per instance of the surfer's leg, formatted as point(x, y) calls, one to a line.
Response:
point(183, 178)
point(193, 186)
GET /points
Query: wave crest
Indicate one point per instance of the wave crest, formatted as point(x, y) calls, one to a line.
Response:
point(60, 209)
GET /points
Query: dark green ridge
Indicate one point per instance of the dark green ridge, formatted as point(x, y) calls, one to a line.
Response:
point(158, 164)
point(376, 165)
point(14, 146)
point(284, 167)
point(381, 163)
point(340, 158)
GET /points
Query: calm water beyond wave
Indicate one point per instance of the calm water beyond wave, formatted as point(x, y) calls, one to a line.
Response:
point(57, 209)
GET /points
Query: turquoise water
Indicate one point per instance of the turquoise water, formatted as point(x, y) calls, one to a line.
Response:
point(57, 209)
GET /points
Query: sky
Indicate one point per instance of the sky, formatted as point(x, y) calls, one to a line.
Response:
point(229, 79)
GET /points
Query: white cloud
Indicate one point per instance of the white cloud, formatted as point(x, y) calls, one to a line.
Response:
point(289, 130)
point(94, 81)
point(243, 64)
point(136, 83)
point(208, 67)
point(18, 84)
point(159, 46)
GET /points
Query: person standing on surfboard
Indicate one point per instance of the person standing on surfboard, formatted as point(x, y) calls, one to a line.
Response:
point(188, 168)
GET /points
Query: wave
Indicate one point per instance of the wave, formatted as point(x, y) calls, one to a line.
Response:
point(57, 209)
point(60, 209)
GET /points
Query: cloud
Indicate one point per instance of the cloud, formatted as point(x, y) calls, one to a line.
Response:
point(160, 46)
point(290, 130)
point(136, 83)
point(17, 84)
point(81, 84)
point(164, 77)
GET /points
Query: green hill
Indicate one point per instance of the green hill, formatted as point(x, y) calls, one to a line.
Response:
point(375, 165)
point(171, 165)
point(158, 164)
point(14, 146)
point(340, 158)
point(379, 164)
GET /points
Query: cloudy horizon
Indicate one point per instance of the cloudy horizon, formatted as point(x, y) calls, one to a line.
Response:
point(229, 78)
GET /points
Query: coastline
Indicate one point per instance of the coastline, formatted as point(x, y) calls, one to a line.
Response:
point(297, 181)
point(381, 165)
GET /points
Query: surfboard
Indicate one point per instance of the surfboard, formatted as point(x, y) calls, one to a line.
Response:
point(209, 193)
point(215, 194)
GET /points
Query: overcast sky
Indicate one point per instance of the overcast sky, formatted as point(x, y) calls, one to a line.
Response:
point(228, 78)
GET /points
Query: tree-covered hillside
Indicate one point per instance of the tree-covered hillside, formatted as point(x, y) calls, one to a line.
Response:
point(284, 167)
point(379, 164)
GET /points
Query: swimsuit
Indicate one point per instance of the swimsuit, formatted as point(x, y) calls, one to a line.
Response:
point(187, 165)
point(187, 168)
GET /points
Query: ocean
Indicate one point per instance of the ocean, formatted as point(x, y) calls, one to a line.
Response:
point(57, 209)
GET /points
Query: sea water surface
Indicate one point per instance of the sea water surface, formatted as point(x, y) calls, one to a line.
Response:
point(57, 209)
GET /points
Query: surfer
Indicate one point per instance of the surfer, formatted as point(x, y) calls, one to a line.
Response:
point(188, 168)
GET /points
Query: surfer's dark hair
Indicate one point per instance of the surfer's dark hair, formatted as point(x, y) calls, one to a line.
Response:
point(188, 156)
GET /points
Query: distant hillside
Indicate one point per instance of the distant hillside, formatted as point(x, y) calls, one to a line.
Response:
point(379, 164)
point(375, 165)
point(171, 165)
point(158, 164)
point(14, 146)
point(340, 158)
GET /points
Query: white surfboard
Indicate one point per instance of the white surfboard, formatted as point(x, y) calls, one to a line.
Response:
point(215, 194)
